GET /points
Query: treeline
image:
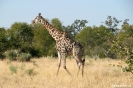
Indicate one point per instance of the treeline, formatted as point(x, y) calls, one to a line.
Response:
point(107, 40)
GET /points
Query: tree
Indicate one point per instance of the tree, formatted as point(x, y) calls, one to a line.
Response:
point(84, 37)
point(43, 43)
point(79, 25)
point(96, 40)
point(20, 36)
point(69, 30)
point(128, 29)
point(75, 27)
point(119, 44)
point(126, 22)
point(57, 23)
point(124, 45)
point(112, 23)
point(3, 42)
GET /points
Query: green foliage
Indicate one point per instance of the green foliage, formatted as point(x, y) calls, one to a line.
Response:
point(3, 42)
point(31, 72)
point(123, 47)
point(73, 29)
point(24, 57)
point(112, 23)
point(127, 29)
point(12, 54)
point(13, 69)
point(129, 59)
point(17, 55)
point(79, 25)
point(20, 36)
point(129, 67)
point(96, 40)
point(43, 42)
point(57, 23)
point(84, 36)
point(35, 64)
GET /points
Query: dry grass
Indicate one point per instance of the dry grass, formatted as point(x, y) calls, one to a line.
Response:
point(98, 74)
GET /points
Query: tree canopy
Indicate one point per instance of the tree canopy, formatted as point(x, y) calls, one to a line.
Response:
point(99, 41)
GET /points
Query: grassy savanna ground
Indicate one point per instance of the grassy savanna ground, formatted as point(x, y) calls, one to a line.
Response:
point(41, 73)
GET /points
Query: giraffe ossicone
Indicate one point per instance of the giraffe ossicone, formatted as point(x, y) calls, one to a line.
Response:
point(64, 45)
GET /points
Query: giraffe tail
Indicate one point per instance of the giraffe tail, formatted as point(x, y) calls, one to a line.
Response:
point(83, 63)
point(83, 60)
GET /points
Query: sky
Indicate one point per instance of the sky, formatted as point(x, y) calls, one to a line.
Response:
point(67, 11)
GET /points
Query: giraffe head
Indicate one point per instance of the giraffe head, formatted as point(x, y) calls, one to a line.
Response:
point(39, 19)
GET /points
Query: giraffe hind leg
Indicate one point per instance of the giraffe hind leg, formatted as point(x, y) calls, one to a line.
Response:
point(78, 64)
point(67, 71)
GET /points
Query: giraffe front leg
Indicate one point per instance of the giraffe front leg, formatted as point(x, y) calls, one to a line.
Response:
point(59, 62)
point(63, 55)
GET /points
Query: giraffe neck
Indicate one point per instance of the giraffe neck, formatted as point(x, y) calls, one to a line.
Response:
point(55, 33)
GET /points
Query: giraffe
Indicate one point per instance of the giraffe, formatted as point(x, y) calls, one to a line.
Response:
point(64, 45)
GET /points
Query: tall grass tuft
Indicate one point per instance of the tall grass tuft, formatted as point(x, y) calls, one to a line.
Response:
point(31, 72)
point(13, 69)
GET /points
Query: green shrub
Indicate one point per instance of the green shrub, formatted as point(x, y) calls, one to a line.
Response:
point(12, 54)
point(35, 64)
point(13, 69)
point(24, 57)
point(17, 55)
point(129, 62)
point(31, 72)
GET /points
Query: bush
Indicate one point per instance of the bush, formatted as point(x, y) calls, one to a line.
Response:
point(129, 62)
point(98, 52)
point(13, 69)
point(31, 72)
point(24, 57)
point(12, 54)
